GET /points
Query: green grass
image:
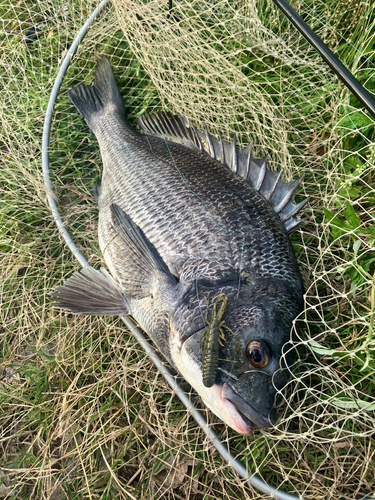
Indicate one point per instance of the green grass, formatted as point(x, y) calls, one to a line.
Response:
point(83, 413)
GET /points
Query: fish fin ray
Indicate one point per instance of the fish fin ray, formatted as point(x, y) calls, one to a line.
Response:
point(254, 171)
point(144, 266)
point(292, 224)
point(173, 128)
point(91, 100)
point(90, 292)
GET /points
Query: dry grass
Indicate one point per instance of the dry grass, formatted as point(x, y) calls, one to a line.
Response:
point(83, 413)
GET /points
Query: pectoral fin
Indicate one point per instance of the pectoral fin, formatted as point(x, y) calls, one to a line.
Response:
point(90, 292)
point(143, 271)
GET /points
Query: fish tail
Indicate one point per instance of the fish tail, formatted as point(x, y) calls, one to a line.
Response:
point(93, 101)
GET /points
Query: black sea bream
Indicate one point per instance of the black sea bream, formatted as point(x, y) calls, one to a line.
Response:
point(195, 235)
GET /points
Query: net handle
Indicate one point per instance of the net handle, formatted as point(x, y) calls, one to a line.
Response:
point(339, 69)
point(221, 446)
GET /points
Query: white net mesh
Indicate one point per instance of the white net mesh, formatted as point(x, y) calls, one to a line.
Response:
point(83, 413)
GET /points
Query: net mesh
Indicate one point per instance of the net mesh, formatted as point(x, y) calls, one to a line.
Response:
point(83, 413)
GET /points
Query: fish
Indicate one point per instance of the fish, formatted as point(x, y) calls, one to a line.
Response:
point(195, 235)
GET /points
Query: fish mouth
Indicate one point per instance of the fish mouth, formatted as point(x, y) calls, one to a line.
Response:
point(238, 407)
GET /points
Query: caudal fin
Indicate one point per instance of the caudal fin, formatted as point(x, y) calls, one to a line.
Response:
point(92, 100)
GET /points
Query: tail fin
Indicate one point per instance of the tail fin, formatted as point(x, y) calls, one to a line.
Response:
point(92, 100)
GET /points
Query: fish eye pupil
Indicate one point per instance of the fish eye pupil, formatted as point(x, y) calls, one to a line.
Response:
point(256, 355)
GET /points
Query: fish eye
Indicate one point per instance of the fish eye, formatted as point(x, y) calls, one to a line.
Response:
point(258, 353)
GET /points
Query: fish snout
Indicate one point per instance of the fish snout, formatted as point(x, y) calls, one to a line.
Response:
point(259, 412)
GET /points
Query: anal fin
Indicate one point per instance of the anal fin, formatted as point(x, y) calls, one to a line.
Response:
point(90, 292)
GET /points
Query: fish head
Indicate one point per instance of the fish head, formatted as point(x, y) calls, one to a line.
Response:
point(255, 365)
point(253, 359)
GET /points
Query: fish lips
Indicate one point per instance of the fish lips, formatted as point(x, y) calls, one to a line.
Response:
point(247, 412)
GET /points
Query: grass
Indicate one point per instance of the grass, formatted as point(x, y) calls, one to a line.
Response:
point(83, 413)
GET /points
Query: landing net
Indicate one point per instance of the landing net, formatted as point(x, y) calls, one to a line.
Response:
point(82, 410)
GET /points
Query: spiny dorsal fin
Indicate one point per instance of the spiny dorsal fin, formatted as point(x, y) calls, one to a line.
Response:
point(254, 171)
point(90, 292)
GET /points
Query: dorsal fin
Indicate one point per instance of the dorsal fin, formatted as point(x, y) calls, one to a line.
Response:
point(254, 171)
point(173, 128)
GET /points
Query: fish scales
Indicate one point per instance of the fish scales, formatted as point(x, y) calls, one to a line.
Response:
point(238, 223)
point(178, 229)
